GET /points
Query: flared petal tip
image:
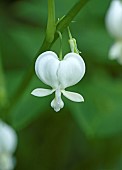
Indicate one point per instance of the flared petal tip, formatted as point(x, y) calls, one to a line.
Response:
point(40, 92)
point(81, 99)
point(75, 97)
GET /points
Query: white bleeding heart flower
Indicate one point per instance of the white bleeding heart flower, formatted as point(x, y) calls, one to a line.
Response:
point(8, 143)
point(113, 22)
point(59, 75)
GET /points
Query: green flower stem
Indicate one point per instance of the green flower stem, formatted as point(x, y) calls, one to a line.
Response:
point(60, 52)
point(69, 33)
point(3, 92)
point(51, 25)
point(64, 23)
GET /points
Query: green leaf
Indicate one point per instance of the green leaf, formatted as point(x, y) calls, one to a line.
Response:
point(100, 114)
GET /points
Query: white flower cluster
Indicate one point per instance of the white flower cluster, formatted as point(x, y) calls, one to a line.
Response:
point(8, 143)
point(114, 25)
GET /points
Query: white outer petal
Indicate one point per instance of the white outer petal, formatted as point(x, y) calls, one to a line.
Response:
point(40, 92)
point(114, 19)
point(8, 138)
point(46, 67)
point(75, 97)
point(71, 70)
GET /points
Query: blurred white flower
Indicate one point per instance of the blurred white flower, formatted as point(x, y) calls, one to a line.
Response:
point(114, 25)
point(59, 75)
point(8, 143)
point(7, 162)
point(115, 52)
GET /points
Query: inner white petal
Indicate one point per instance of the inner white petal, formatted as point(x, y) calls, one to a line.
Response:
point(55, 106)
point(57, 102)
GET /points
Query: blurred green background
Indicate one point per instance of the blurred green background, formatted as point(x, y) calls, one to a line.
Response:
point(86, 136)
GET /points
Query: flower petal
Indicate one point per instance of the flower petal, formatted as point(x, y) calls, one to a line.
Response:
point(57, 102)
point(75, 97)
point(46, 67)
point(57, 106)
point(40, 92)
point(115, 51)
point(114, 19)
point(8, 138)
point(7, 162)
point(71, 70)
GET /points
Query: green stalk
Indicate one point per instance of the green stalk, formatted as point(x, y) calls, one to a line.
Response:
point(51, 25)
point(64, 23)
point(3, 92)
point(69, 33)
point(60, 51)
point(47, 43)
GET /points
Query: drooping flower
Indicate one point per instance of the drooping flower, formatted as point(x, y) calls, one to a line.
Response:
point(59, 75)
point(114, 25)
point(8, 143)
point(115, 52)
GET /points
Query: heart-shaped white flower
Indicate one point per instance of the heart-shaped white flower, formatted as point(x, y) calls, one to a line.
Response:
point(59, 75)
